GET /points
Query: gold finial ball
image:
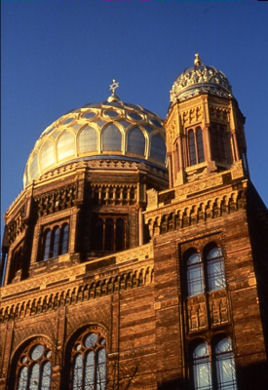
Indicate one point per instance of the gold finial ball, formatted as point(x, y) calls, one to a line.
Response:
point(197, 61)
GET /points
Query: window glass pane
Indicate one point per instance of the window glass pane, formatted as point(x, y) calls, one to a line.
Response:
point(77, 374)
point(91, 340)
point(34, 377)
point(136, 141)
point(199, 141)
point(90, 371)
point(158, 148)
point(56, 242)
point(65, 239)
point(215, 270)
point(101, 369)
point(226, 376)
point(47, 156)
point(23, 377)
point(195, 278)
point(47, 241)
point(34, 169)
point(65, 146)
point(87, 140)
point(192, 155)
point(37, 352)
point(202, 368)
point(45, 384)
point(111, 138)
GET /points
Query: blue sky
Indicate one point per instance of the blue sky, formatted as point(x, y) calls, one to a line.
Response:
point(59, 55)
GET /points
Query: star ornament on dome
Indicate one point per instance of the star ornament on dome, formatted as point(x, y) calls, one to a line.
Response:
point(114, 86)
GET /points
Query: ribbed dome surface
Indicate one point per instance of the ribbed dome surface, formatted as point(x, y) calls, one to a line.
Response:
point(111, 129)
point(200, 79)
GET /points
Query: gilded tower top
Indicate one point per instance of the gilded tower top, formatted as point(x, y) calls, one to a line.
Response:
point(200, 79)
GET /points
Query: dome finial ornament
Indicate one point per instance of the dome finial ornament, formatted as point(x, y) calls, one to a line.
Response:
point(197, 61)
point(113, 88)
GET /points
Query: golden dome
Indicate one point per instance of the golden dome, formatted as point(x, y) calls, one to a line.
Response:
point(200, 79)
point(111, 129)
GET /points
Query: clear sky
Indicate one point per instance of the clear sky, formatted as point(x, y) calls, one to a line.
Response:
point(59, 55)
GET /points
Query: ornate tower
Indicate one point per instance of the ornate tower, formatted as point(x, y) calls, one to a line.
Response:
point(204, 125)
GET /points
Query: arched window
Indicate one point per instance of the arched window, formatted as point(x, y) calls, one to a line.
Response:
point(215, 269)
point(87, 140)
point(88, 370)
point(55, 241)
point(225, 366)
point(33, 370)
point(215, 369)
point(47, 155)
point(158, 148)
point(191, 143)
point(206, 272)
point(136, 141)
point(47, 243)
point(202, 368)
point(64, 238)
point(199, 144)
point(195, 146)
point(65, 145)
point(195, 278)
point(111, 138)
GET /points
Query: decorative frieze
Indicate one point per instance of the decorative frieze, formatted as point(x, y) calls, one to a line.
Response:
point(56, 200)
point(88, 290)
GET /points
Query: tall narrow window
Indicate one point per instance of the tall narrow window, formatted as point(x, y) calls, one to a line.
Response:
point(89, 362)
point(202, 368)
point(56, 241)
point(195, 146)
point(192, 152)
point(225, 366)
point(215, 370)
point(199, 143)
point(195, 278)
point(215, 269)
point(47, 243)
point(64, 239)
point(34, 368)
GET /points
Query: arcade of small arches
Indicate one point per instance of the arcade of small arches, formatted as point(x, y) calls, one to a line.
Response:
point(211, 208)
point(126, 280)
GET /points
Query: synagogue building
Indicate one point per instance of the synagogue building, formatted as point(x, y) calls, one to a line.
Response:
point(136, 255)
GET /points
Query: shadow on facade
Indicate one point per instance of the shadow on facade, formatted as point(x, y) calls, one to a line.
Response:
point(175, 384)
point(258, 232)
point(253, 377)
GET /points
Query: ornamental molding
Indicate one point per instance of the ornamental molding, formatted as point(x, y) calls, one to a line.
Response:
point(56, 200)
point(199, 210)
point(61, 297)
point(200, 79)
